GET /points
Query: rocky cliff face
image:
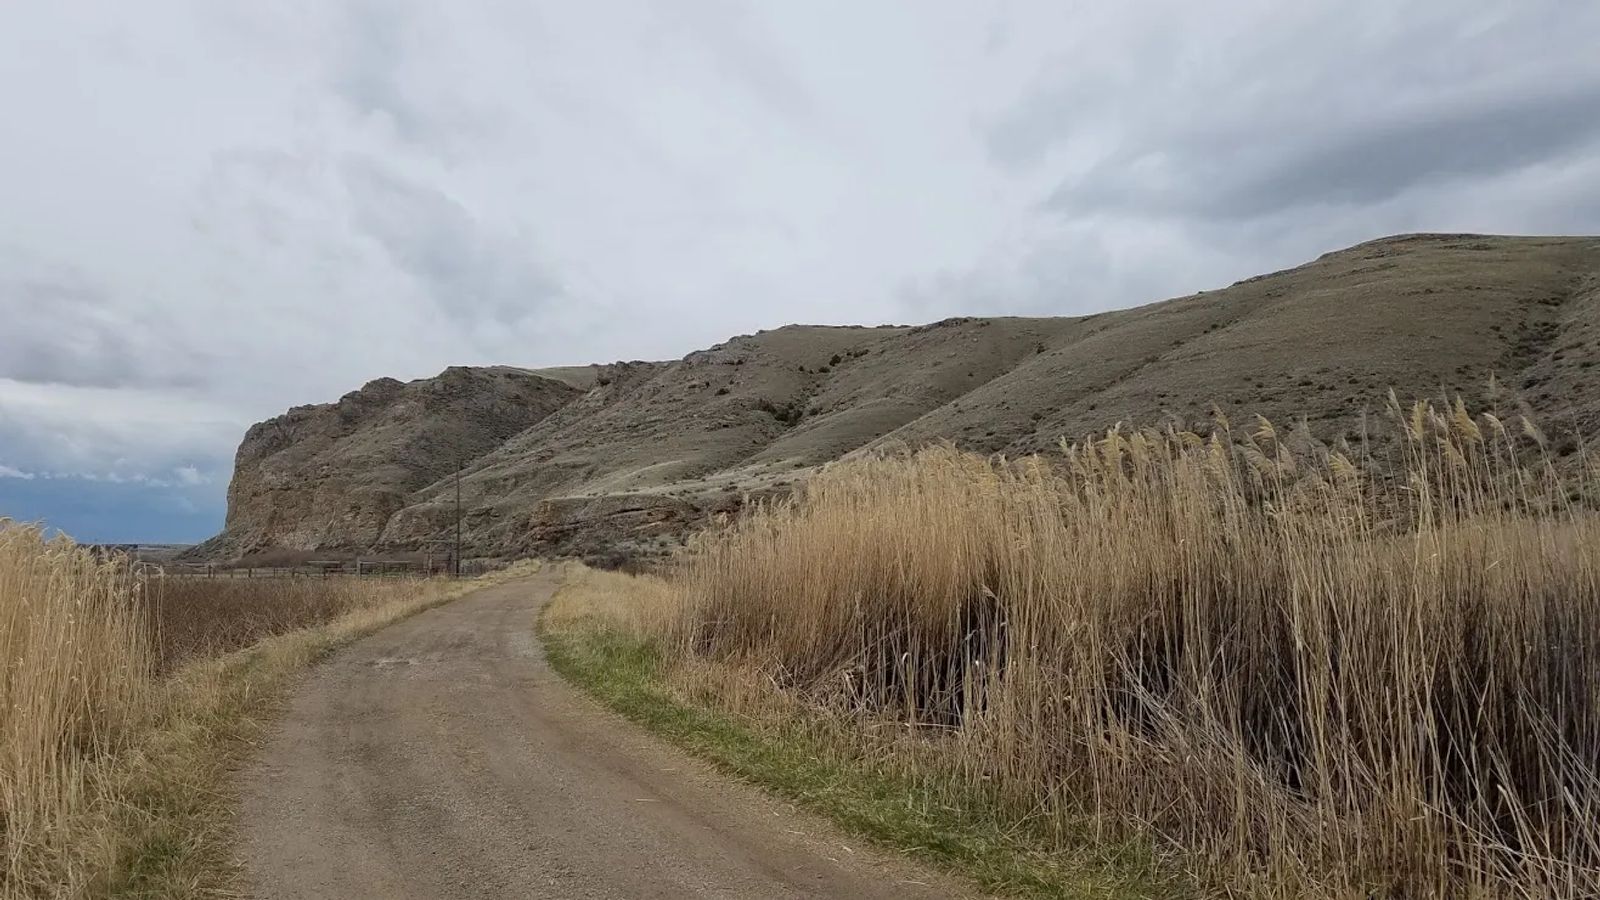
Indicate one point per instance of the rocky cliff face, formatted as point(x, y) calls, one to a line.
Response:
point(628, 458)
point(331, 476)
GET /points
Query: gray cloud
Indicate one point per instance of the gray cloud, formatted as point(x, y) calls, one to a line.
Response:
point(66, 330)
point(368, 73)
point(81, 344)
point(1210, 120)
point(1366, 165)
point(1395, 156)
point(740, 47)
point(431, 236)
point(382, 71)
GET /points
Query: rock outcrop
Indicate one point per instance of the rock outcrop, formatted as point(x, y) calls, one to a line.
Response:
point(331, 476)
point(628, 458)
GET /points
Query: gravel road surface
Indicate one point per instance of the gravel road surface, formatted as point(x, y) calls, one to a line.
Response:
point(441, 757)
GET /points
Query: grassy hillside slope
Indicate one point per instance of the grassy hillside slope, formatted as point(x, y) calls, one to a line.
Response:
point(649, 450)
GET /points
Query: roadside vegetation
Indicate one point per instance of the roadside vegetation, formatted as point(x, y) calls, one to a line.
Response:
point(602, 632)
point(127, 701)
point(1288, 669)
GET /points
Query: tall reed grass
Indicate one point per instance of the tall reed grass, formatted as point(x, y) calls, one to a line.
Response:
point(123, 708)
point(1306, 670)
point(75, 679)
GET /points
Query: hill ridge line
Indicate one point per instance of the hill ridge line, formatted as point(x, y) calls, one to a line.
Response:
point(624, 459)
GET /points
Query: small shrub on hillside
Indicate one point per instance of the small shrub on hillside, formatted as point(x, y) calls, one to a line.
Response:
point(786, 413)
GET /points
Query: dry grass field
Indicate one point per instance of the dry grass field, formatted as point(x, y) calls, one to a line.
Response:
point(124, 704)
point(192, 618)
point(1297, 671)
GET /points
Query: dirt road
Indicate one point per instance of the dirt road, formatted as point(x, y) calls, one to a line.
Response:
point(441, 758)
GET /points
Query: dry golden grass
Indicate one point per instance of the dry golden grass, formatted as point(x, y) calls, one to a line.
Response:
point(125, 703)
point(75, 682)
point(1301, 677)
point(193, 617)
point(638, 606)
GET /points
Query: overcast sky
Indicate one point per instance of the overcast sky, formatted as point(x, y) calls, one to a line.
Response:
point(210, 211)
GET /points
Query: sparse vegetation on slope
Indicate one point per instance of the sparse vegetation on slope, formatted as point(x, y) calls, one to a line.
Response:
point(1301, 670)
point(116, 777)
point(649, 452)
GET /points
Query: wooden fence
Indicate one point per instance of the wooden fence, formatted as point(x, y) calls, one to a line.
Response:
point(355, 568)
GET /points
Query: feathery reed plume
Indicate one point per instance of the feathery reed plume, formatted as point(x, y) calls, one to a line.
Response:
point(1308, 675)
point(75, 676)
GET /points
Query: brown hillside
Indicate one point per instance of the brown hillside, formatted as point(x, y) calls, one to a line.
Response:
point(633, 459)
point(1426, 314)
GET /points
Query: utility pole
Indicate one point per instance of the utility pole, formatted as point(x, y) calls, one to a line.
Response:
point(457, 564)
